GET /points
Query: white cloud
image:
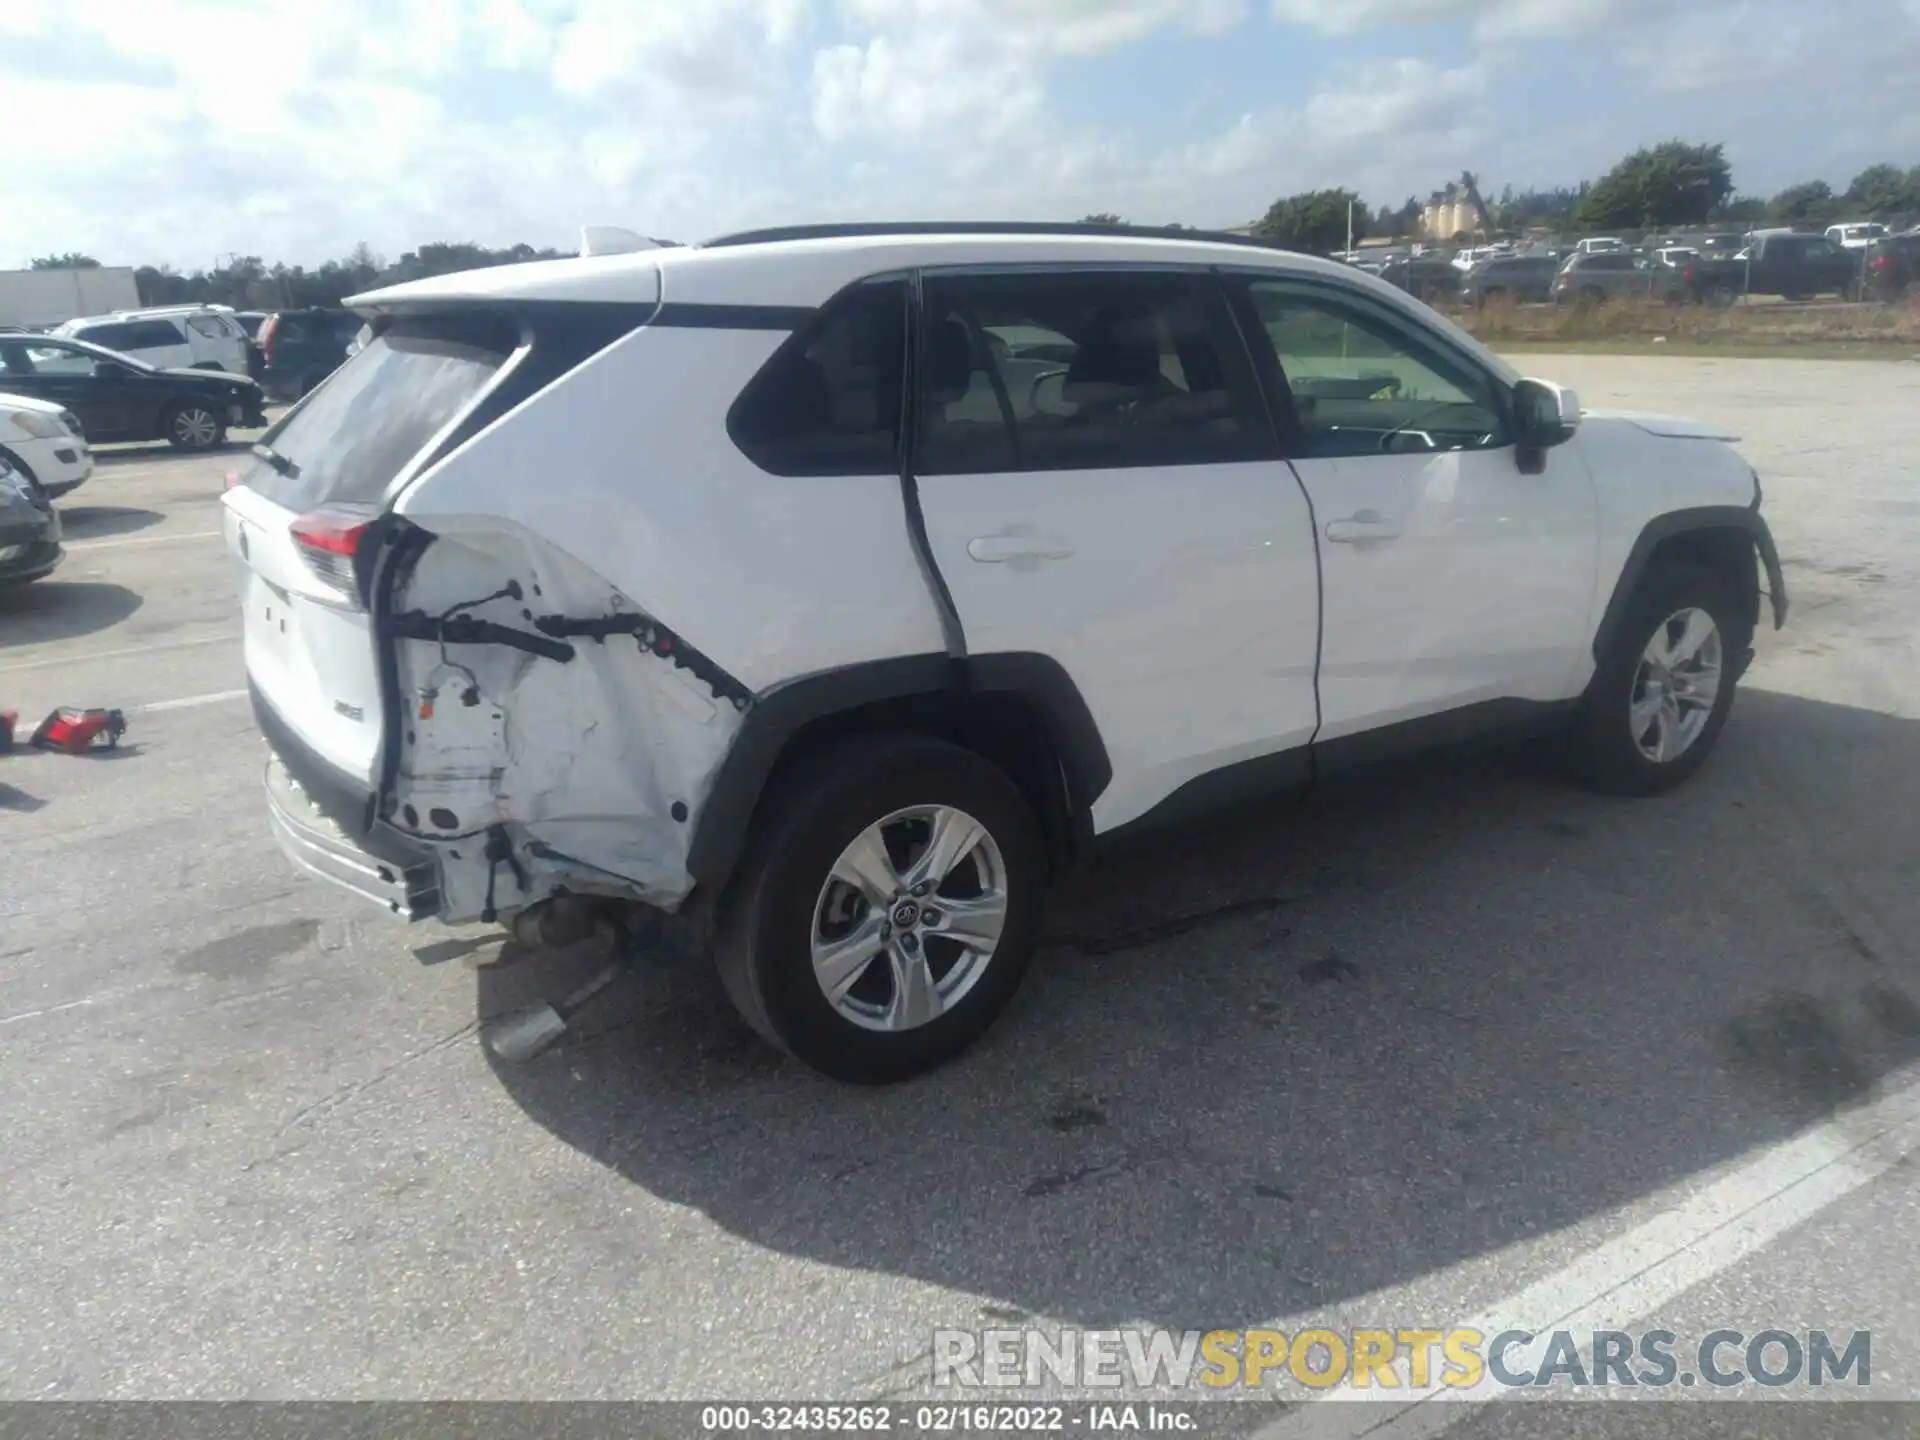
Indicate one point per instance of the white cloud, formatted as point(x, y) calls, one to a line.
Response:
point(156, 130)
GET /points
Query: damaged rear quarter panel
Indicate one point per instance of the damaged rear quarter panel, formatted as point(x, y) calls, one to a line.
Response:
point(591, 767)
point(617, 490)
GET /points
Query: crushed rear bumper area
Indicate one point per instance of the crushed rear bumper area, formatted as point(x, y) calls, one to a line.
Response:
point(318, 846)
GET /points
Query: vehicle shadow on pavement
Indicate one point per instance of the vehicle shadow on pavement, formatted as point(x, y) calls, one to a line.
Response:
point(1329, 1049)
point(56, 609)
point(96, 522)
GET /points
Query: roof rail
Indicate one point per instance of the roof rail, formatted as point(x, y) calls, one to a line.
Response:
point(976, 227)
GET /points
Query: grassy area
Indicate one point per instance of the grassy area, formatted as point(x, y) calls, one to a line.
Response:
point(1774, 331)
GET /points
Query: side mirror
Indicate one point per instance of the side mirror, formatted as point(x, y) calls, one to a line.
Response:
point(1545, 415)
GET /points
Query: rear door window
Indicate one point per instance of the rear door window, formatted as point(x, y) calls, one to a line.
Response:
point(1083, 370)
point(352, 436)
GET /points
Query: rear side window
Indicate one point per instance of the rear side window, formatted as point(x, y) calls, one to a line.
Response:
point(131, 335)
point(209, 326)
point(828, 402)
point(1083, 370)
point(354, 434)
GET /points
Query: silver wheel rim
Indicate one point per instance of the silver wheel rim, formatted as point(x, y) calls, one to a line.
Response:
point(1675, 686)
point(909, 918)
point(195, 427)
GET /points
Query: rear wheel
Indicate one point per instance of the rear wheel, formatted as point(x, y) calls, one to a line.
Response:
point(888, 910)
point(1661, 694)
point(189, 425)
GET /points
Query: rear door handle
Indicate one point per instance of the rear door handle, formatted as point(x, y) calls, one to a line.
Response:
point(998, 549)
point(1360, 527)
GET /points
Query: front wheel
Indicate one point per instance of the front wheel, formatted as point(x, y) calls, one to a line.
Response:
point(193, 426)
point(1661, 693)
point(888, 909)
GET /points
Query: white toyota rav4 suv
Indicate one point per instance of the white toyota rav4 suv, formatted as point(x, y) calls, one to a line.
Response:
point(831, 588)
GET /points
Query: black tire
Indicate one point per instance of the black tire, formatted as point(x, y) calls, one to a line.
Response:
point(1722, 295)
point(1593, 295)
point(184, 426)
point(764, 938)
point(1602, 744)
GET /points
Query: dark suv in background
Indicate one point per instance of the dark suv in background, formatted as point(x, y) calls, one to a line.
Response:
point(1512, 277)
point(300, 348)
point(1616, 274)
point(1893, 265)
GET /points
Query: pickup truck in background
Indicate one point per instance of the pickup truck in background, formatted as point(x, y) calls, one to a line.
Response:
point(1789, 265)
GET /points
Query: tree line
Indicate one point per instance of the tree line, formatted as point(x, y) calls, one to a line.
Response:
point(1667, 186)
point(1658, 187)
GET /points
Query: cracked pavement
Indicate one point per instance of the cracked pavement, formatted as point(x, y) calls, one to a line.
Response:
point(1391, 1053)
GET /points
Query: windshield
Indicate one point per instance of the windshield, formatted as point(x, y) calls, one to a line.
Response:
point(20, 355)
point(353, 435)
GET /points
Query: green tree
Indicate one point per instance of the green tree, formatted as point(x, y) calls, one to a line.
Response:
point(1884, 191)
point(1812, 202)
point(1102, 217)
point(72, 260)
point(1672, 183)
point(1314, 221)
point(1740, 209)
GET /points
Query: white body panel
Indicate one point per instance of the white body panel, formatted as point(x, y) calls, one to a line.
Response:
point(60, 460)
point(627, 468)
point(1180, 601)
point(1449, 579)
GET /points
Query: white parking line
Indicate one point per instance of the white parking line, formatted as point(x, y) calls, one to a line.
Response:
point(191, 702)
point(51, 660)
point(1635, 1274)
point(140, 540)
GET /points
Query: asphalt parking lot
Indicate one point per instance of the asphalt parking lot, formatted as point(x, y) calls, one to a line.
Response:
point(1451, 1046)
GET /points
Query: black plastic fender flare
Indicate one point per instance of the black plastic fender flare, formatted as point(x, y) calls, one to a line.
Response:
point(1744, 518)
point(778, 714)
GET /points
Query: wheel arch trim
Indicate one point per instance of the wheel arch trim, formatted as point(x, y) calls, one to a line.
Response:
point(1745, 520)
point(780, 714)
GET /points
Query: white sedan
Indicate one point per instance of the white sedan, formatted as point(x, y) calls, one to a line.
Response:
point(44, 442)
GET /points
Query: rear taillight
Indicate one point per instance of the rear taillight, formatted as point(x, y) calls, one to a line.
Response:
point(329, 540)
point(1689, 274)
point(1879, 262)
point(269, 328)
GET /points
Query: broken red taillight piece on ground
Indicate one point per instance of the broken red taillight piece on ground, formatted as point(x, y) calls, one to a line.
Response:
point(75, 731)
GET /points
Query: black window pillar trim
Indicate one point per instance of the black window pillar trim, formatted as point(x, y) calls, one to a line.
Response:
point(913, 397)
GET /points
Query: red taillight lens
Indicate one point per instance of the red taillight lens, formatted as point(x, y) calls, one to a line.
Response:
point(1689, 272)
point(268, 329)
point(1879, 262)
point(329, 540)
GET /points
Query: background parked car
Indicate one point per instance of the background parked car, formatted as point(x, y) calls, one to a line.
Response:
point(1594, 276)
point(45, 442)
point(172, 337)
point(1425, 277)
point(1856, 235)
point(117, 397)
point(1781, 263)
point(1893, 265)
point(1511, 277)
point(29, 529)
point(300, 348)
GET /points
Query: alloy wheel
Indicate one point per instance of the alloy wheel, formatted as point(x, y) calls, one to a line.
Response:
point(1675, 685)
point(195, 428)
point(909, 918)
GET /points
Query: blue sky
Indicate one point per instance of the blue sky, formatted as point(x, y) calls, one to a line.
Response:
point(178, 131)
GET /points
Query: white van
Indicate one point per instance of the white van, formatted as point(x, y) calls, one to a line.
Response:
point(172, 337)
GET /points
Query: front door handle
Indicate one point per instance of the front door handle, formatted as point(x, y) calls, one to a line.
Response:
point(1360, 527)
point(998, 549)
